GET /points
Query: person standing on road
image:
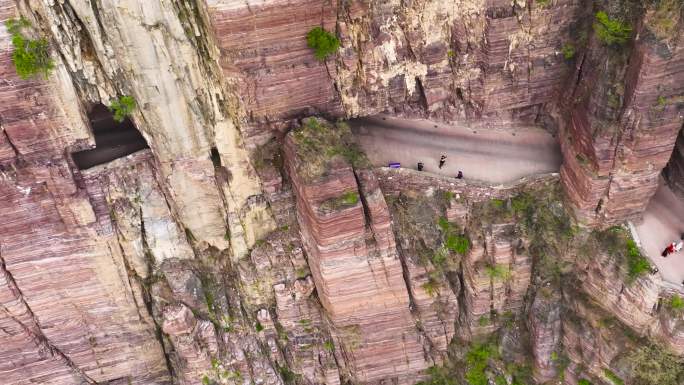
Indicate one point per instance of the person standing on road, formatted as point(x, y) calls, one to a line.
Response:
point(669, 250)
point(442, 160)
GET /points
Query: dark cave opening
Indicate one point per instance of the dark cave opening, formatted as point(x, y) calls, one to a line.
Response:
point(113, 140)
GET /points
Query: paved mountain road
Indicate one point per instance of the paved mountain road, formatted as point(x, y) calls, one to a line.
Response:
point(494, 156)
point(663, 223)
point(497, 156)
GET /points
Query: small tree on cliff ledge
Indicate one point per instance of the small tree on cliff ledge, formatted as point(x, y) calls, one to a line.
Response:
point(322, 42)
point(611, 31)
point(122, 107)
point(30, 57)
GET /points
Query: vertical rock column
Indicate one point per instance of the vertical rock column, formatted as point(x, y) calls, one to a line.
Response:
point(623, 120)
point(358, 276)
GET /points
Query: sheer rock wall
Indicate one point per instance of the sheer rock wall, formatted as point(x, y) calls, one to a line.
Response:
point(624, 116)
point(167, 266)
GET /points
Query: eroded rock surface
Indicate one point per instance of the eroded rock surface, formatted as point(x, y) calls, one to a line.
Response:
point(216, 257)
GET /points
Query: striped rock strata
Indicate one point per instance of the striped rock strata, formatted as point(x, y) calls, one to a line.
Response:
point(457, 60)
point(624, 115)
point(68, 312)
point(358, 276)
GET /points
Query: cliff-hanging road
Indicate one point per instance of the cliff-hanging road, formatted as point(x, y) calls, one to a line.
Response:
point(498, 156)
point(488, 155)
point(663, 223)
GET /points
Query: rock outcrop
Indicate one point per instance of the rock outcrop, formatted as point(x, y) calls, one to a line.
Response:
point(138, 49)
point(623, 118)
point(204, 259)
point(352, 255)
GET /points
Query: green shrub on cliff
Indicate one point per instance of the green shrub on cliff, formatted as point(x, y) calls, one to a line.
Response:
point(348, 199)
point(122, 108)
point(458, 243)
point(611, 31)
point(453, 240)
point(612, 377)
point(675, 303)
point(498, 271)
point(438, 376)
point(568, 51)
point(652, 364)
point(584, 381)
point(477, 361)
point(636, 263)
point(663, 20)
point(318, 144)
point(322, 42)
point(30, 57)
point(616, 241)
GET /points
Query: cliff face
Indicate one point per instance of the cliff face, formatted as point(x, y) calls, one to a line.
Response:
point(455, 60)
point(223, 255)
point(353, 258)
point(623, 118)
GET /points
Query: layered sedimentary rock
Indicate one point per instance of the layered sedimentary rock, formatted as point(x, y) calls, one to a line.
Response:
point(497, 276)
point(358, 276)
point(76, 289)
point(150, 266)
point(69, 313)
point(140, 49)
point(544, 323)
point(623, 118)
point(455, 60)
point(263, 47)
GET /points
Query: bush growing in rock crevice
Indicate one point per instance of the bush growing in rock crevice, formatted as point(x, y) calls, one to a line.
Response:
point(675, 303)
point(319, 143)
point(30, 57)
point(651, 364)
point(322, 42)
point(348, 199)
point(611, 31)
point(617, 242)
point(568, 51)
point(122, 107)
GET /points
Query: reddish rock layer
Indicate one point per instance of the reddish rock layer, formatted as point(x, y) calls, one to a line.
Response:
point(263, 47)
point(452, 60)
point(623, 121)
point(69, 314)
point(358, 275)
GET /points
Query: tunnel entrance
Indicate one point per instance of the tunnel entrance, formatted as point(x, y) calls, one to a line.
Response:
point(113, 140)
point(674, 171)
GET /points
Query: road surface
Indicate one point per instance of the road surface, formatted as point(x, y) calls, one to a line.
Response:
point(496, 156)
point(663, 223)
point(493, 156)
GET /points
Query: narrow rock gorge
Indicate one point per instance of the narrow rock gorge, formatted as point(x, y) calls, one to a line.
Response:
point(182, 200)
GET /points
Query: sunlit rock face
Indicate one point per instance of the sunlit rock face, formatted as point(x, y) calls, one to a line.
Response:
point(209, 257)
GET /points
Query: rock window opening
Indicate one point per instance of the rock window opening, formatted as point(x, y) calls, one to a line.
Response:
point(674, 171)
point(215, 157)
point(113, 140)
